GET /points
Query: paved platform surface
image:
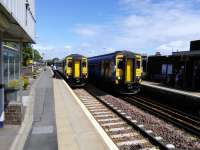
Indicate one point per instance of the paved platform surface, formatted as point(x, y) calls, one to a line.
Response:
point(7, 136)
point(9, 133)
point(74, 129)
point(43, 135)
point(159, 86)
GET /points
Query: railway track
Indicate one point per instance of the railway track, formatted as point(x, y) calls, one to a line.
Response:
point(152, 132)
point(124, 131)
point(182, 120)
point(122, 134)
point(155, 129)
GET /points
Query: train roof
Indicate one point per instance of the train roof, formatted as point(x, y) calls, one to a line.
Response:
point(124, 52)
point(76, 56)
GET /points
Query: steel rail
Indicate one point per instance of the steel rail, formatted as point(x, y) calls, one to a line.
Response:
point(179, 120)
point(166, 107)
point(142, 131)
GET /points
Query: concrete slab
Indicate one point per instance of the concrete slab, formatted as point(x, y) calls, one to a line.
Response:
point(43, 135)
point(7, 136)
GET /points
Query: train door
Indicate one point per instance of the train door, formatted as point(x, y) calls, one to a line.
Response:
point(77, 68)
point(84, 67)
point(119, 69)
point(129, 70)
point(69, 67)
point(138, 68)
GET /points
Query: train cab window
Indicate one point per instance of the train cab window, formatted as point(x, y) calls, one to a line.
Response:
point(138, 64)
point(84, 64)
point(120, 64)
point(69, 64)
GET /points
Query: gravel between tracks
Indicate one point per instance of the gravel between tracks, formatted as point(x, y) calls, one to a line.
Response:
point(122, 134)
point(170, 133)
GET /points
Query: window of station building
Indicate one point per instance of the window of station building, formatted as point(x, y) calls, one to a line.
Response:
point(17, 65)
point(11, 65)
point(6, 64)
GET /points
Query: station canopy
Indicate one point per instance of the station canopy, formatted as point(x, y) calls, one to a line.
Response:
point(12, 31)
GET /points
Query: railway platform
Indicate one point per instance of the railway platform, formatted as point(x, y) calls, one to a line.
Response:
point(186, 100)
point(55, 119)
point(172, 90)
point(75, 129)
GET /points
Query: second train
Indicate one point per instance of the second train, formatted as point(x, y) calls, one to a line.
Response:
point(119, 71)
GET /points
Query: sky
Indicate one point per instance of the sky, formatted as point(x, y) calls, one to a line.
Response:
point(93, 27)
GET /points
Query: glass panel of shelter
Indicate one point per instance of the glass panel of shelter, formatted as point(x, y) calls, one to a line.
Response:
point(11, 65)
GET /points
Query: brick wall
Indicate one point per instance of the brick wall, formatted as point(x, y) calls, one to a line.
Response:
point(14, 113)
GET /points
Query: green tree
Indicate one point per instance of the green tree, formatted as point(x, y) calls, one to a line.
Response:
point(28, 53)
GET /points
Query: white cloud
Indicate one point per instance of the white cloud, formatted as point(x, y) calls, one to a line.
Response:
point(153, 23)
point(174, 46)
point(50, 52)
point(146, 26)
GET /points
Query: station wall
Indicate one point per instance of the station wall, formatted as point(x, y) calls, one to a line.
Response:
point(24, 13)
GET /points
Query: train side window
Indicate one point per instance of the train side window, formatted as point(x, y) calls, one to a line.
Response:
point(69, 64)
point(120, 64)
point(138, 64)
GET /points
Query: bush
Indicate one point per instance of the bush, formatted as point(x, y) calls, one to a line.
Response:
point(26, 82)
point(14, 84)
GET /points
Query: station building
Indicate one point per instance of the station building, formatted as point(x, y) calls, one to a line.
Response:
point(181, 69)
point(17, 24)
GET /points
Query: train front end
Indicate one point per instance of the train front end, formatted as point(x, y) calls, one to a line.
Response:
point(128, 73)
point(76, 70)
